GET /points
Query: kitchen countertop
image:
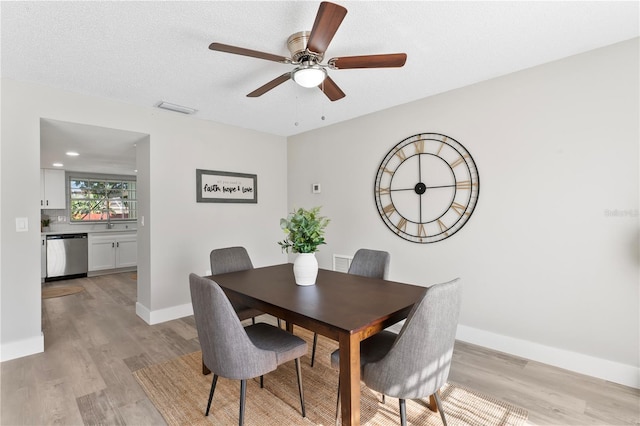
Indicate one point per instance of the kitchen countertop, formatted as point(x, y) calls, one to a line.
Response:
point(90, 231)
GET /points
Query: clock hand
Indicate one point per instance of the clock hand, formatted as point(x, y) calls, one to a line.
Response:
point(401, 189)
point(441, 186)
point(427, 187)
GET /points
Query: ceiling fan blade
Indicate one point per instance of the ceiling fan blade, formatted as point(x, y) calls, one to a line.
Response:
point(390, 60)
point(328, 19)
point(331, 89)
point(270, 85)
point(248, 52)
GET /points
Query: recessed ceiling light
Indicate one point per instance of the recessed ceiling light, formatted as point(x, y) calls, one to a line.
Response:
point(72, 154)
point(57, 164)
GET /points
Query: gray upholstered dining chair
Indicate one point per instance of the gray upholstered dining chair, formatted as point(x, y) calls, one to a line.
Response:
point(367, 263)
point(235, 352)
point(233, 259)
point(414, 363)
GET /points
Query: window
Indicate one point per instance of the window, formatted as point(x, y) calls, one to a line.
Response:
point(102, 200)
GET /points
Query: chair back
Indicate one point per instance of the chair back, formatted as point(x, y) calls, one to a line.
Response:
point(230, 259)
point(370, 263)
point(226, 349)
point(418, 362)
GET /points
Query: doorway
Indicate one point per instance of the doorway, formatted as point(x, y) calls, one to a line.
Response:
point(106, 154)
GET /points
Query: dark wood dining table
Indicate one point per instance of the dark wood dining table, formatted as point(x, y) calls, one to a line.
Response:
point(344, 307)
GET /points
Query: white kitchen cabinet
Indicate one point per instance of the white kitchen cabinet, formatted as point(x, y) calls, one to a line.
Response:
point(52, 189)
point(102, 252)
point(112, 251)
point(126, 251)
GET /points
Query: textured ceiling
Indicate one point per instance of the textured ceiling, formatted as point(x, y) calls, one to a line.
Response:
point(145, 52)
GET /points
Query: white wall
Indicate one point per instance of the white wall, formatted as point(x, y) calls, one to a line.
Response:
point(178, 232)
point(548, 272)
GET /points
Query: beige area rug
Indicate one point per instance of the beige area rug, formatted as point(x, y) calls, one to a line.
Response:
point(179, 391)
point(59, 291)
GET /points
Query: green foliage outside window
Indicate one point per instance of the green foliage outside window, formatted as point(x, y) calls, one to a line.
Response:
point(101, 200)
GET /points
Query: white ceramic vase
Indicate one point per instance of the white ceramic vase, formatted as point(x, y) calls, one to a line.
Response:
point(305, 269)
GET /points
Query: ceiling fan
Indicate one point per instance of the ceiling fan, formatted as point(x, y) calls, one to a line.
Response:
point(307, 52)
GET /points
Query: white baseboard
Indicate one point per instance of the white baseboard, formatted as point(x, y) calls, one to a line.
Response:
point(623, 374)
point(163, 315)
point(25, 347)
point(143, 312)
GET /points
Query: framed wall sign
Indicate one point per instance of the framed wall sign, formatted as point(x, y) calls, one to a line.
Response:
point(226, 187)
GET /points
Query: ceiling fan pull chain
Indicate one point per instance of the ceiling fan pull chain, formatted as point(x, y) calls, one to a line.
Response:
point(297, 107)
point(322, 104)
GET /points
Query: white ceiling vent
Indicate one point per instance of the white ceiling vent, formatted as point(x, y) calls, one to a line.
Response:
point(176, 108)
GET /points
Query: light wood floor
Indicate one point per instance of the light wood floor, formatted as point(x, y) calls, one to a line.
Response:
point(94, 340)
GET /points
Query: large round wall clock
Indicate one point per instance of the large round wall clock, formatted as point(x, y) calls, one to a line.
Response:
point(426, 187)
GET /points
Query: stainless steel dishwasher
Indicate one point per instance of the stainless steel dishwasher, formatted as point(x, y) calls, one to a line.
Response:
point(67, 256)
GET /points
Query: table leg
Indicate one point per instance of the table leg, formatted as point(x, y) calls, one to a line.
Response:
point(350, 379)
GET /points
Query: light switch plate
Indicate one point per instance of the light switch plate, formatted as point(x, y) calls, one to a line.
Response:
point(315, 188)
point(22, 224)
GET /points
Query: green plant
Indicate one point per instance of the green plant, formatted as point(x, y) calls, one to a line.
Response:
point(45, 221)
point(304, 230)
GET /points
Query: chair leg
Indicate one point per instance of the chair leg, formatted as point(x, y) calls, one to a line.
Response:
point(261, 382)
point(384, 399)
point(300, 391)
point(243, 394)
point(439, 404)
point(279, 323)
point(313, 351)
point(403, 412)
point(213, 388)
point(433, 405)
point(253, 320)
point(338, 404)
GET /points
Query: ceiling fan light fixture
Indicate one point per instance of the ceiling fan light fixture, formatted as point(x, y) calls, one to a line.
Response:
point(309, 75)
